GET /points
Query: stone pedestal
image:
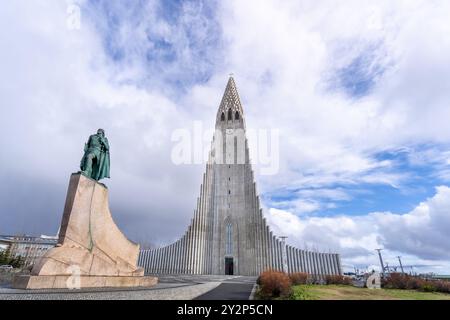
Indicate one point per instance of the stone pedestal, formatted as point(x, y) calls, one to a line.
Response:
point(91, 249)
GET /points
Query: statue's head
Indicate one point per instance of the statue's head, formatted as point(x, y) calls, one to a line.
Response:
point(101, 132)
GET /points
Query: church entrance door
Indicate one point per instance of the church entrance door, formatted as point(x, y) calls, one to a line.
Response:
point(229, 266)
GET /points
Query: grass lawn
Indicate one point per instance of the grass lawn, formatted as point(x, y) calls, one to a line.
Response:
point(339, 292)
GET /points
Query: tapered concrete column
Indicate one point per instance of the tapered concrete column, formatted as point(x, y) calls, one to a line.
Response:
point(325, 264)
point(168, 259)
point(145, 260)
point(140, 256)
point(307, 262)
point(292, 256)
point(164, 260)
point(311, 262)
point(157, 260)
point(316, 264)
point(333, 269)
point(319, 263)
point(281, 248)
point(189, 255)
point(141, 259)
point(183, 255)
point(149, 260)
point(297, 260)
point(319, 271)
point(294, 259)
point(266, 245)
point(178, 258)
point(329, 269)
point(172, 258)
point(194, 240)
point(322, 264)
point(335, 264)
point(201, 228)
point(338, 258)
point(152, 262)
point(277, 255)
point(300, 261)
point(175, 258)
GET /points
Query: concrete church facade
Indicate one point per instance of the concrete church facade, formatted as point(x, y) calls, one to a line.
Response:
point(228, 233)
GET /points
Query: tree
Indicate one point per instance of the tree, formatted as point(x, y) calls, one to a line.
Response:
point(5, 256)
point(7, 259)
point(2, 257)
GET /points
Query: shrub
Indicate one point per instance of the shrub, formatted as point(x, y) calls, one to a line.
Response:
point(396, 281)
point(442, 286)
point(337, 279)
point(298, 278)
point(274, 284)
point(428, 286)
point(404, 281)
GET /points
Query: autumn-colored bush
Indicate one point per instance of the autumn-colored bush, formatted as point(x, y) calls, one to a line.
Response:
point(404, 281)
point(274, 284)
point(298, 278)
point(396, 281)
point(442, 286)
point(337, 279)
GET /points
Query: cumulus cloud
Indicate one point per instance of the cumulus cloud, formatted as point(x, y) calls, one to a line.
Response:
point(421, 233)
point(352, 86)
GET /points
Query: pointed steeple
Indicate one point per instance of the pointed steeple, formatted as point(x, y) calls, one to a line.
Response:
point(230, 104)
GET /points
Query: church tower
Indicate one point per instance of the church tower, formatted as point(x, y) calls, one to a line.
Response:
point(228, 234)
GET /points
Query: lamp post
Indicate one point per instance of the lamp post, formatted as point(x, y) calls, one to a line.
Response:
point(381, 260)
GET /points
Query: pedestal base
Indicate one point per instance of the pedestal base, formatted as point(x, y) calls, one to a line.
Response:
point(92, 252)
point(68, 282)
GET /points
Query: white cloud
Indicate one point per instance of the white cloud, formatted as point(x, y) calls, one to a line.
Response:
point(421, 234)
point(58, 86)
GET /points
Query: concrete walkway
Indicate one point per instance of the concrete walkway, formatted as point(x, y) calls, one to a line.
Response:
point(234, 289)
point(170, 287)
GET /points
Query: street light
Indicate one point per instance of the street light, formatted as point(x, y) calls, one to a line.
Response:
point(381, 260)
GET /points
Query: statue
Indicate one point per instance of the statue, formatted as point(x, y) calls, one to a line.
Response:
point(96, 162)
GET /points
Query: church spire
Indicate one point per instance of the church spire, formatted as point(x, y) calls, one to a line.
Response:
point(230, 108)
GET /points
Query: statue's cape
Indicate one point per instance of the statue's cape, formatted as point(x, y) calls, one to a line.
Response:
point(103, 166)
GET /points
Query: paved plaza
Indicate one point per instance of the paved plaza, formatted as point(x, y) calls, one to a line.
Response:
point(170, 287)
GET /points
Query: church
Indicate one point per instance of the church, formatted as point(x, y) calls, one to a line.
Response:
point(228, 234)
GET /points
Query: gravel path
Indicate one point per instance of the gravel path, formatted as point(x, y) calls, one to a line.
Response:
point(159, 292)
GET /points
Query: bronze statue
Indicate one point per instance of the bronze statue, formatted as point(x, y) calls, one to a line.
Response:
point(96, 161)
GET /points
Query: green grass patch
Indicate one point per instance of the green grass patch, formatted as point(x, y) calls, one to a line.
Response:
point(340, 292)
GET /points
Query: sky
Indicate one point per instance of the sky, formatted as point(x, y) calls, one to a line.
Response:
point(358, 90)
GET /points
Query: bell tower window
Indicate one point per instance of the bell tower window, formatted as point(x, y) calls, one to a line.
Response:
point(222, 117)
point(236, 116)
point(229, 242)
point(230, 114)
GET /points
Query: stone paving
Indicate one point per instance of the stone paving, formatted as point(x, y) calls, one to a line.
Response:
point(159, 292)
point(170, 287)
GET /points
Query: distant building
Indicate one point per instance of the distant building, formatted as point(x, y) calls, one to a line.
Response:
point(28, 247)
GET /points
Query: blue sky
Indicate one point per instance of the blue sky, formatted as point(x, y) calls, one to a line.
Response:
point(358, 90)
